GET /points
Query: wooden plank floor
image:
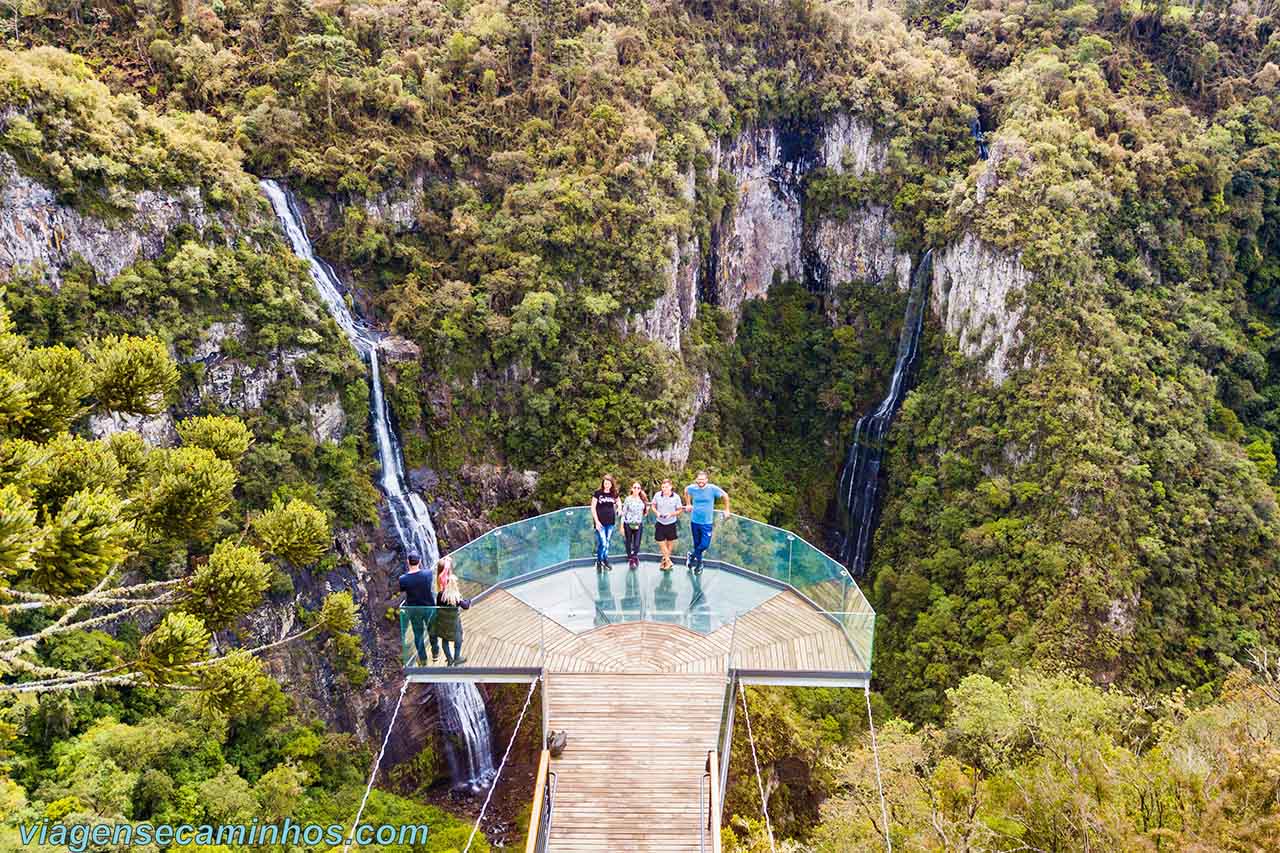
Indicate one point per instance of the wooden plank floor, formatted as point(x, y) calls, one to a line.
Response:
point(630, 776)
point(784, 634)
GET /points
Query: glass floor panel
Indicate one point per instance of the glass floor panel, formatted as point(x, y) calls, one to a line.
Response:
point(580, 598)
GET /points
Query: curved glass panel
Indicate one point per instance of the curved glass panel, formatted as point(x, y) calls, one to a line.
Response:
point(547, 564)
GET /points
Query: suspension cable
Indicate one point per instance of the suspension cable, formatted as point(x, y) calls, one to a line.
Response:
point(875, 751)
point(764, 805)
point(377, 762)
point(494, 785)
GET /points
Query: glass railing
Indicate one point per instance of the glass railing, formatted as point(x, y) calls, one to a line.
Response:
point(448, 638)
point(814, 641)
point(527, 546)
point(742, 553)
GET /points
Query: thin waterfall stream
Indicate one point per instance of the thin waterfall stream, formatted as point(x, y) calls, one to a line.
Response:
point(859, 487)
point(468, 741)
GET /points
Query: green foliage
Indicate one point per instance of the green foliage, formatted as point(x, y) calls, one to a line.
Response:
point(17, 532)
point(228, 438)
point(788, 376)
point(86, 539)
point(295, 531)
point(132, 374)
point(184, 490)
point(69, 464)
point(338, 614)
point(56, 381)
point(227, 585)
point(168, 654)
point(1025, 762)
point(81, 139)
point(235, 684)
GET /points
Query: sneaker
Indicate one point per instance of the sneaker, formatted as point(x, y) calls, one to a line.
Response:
point(459, 660)
point(688, 559)
point(697, 570)
point(435, 660)
point(607, 567)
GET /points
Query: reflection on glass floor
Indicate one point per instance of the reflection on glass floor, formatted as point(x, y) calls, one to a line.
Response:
point(581, 598)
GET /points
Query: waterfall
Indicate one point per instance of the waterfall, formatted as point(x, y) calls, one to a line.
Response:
point(409, 515)
point(859, 487)
point(466, 731)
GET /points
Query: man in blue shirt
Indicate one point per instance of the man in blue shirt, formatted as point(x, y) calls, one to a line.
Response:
point(419, 588)
point(700, 500)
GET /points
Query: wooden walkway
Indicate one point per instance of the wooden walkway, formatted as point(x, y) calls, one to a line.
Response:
point(631, 775)
point(783, 635)
point(642, 700)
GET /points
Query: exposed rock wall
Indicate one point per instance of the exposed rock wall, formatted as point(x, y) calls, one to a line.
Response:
point(676, 454)
point(860, 248)
point(40, 233)
point(763, 232)
point(849, 145)
point(766, 233)
point(397, 207)
point(674, 311)
point(977, 293)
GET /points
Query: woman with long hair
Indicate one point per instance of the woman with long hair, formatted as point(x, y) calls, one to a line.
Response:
point(604, 513)
point(634, 507)
point(448, 622)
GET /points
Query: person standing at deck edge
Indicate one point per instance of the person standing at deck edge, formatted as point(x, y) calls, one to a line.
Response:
point(667, 506)
point(604, 512)
point(634, 507)
point(700, 500)
point(419, 597)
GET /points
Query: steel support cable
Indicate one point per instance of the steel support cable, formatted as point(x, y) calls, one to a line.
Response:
point(764, 805)
point(377, 762)
point(875, 752)
point(497, 775)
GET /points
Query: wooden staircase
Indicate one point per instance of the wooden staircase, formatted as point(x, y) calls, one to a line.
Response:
point(631, 777)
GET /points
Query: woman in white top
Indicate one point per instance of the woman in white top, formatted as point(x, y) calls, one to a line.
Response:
point(634, 507)
point(667, 506)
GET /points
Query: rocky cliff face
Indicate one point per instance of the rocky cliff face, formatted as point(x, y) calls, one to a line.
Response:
point(977, 293)
point(43, 236)
point(306, 667)
point(762, 234)
point(397, 207)
point(766, 233)
point(860, 248)
point(40, 235)
point(233, 384)
point(674, 311)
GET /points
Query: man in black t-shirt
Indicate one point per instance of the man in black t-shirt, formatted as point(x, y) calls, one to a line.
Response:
point(418, 587)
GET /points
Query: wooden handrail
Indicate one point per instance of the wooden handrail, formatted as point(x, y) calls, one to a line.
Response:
point(713, 813)
point(539, 794)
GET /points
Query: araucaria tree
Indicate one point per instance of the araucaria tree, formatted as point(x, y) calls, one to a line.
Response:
point(82, 522)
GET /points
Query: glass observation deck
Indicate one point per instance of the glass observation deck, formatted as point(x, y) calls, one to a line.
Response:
point(768, 606)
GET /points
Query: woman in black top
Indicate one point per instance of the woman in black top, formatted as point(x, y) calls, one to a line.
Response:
point(604, 512)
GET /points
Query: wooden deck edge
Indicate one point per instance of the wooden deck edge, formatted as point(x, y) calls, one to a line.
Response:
point(539, 793)
point(802, 678)
point(479, 675)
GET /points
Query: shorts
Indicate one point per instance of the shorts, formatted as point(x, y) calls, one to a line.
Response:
point(665, 532)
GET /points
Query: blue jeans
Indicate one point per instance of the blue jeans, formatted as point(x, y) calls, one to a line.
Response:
point(420, 622)
point(603, 534)
point(701, 541)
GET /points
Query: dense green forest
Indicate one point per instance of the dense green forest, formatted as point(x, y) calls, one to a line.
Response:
point(1075, 570)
